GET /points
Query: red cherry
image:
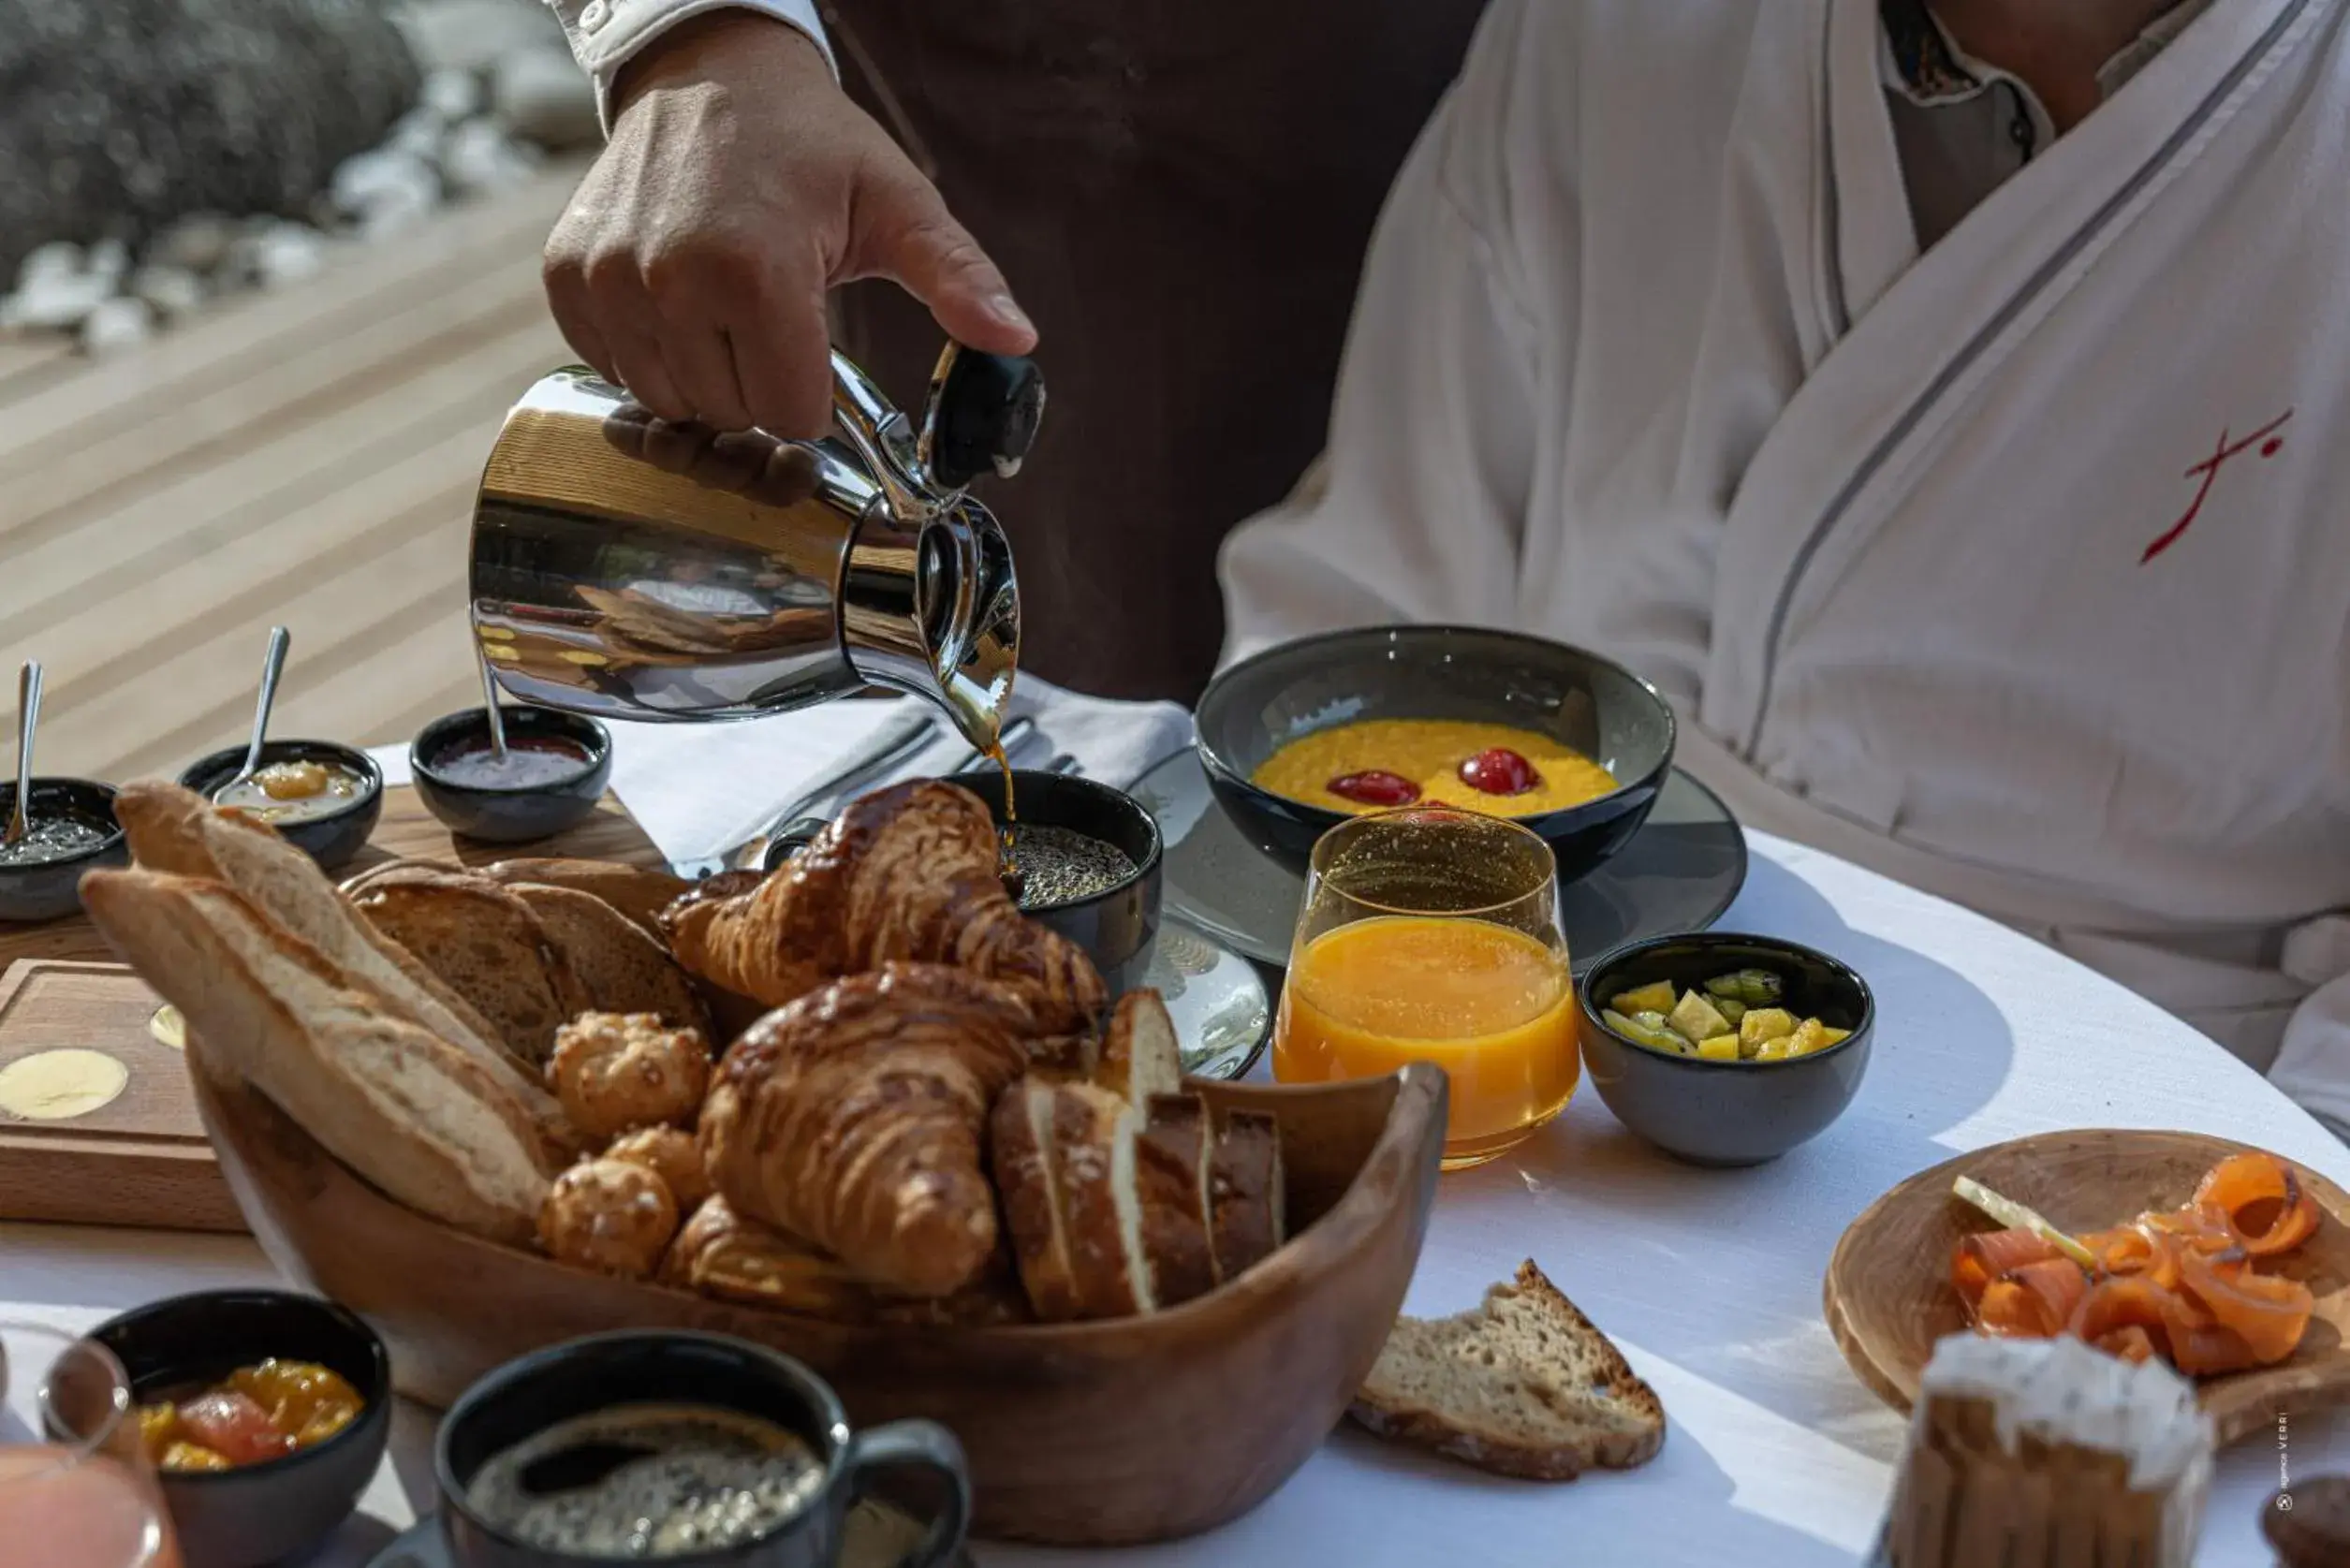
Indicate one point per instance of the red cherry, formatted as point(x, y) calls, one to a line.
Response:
point(1499, 771)
point(1377, 787)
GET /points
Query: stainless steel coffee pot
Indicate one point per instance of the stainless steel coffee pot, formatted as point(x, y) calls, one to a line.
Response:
point(629, 568)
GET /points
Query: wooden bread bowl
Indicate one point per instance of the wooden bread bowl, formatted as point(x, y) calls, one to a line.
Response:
point(1109, 1433)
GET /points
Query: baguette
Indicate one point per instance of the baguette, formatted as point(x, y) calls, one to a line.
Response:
point(1065, 1163)
point(419, 1117)
point(1174, 1153)
point(177, 832)
point(1027, 1177)
point(1141, 1055)
point(1247, 1216)
point(1523, 1385)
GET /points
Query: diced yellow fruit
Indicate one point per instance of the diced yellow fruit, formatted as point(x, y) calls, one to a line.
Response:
point(1698, 1019)
point(189, 1455)
point(1809, 1035)
point(1658, 997)
point(159, 1428)
point(1835, 1036)
point(1776, 1051)
point(1721, 1048)
point(1765, 1023)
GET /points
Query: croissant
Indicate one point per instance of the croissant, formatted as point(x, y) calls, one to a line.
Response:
point(854, 1118)
point(906, 873)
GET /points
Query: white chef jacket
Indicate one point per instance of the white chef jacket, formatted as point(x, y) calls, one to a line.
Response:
point(607, 34)
point(2014, 568)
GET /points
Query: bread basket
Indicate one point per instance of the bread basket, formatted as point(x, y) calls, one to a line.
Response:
point(1111, 1433)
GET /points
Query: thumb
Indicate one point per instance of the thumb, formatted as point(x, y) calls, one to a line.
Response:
point(909, 237)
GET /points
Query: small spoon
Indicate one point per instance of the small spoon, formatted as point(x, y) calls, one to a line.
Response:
point(272, 666)
point(489, 706)
point(28, 718)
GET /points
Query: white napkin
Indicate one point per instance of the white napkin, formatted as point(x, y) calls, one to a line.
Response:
point(695, 789)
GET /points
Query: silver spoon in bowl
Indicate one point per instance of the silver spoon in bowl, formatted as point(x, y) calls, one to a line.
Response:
point(272, 666)
point(28, 718)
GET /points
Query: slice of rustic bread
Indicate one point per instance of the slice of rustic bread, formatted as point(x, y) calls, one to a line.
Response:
point(1523, 1385)
point(1172, 1155)
point(1247, 1218)
point(1142, 1054)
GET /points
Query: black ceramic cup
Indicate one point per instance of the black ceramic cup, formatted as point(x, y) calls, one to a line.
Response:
point(332, 838)
point(1727, 1113)
point(1466, 673)
point(497, 813)
point(524, 1398)
point(1119, 926)
point(268, 1512)
point(49, 890)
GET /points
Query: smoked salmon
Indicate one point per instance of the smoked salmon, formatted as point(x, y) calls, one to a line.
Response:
point(2187, 1284)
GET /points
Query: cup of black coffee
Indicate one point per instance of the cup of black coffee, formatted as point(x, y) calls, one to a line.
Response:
point(694, 1450)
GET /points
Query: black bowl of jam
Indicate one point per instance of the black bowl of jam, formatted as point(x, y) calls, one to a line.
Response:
point(553, 774)
point(71, 828)
point(323, 797)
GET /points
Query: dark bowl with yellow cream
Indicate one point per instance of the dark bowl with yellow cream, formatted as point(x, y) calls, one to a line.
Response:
point(1570, 696)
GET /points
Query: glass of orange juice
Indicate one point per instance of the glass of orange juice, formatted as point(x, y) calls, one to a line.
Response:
point(76, 1488)
point(1431, 934)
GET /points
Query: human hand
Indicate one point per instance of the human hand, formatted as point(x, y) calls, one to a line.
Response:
point(740, 184)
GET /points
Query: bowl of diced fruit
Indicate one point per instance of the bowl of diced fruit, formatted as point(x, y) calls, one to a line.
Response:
point(1724, 1049)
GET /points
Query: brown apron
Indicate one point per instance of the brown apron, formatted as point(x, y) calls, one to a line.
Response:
point(1180, 195)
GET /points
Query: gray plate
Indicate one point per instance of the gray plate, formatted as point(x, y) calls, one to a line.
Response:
point(878, 1537)
point(1678, 872)
point(1216, 998)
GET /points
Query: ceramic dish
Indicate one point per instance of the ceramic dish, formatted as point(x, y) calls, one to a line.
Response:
point(505, 813)
point(1568, 694)
point(51, 889)
point(1888, 1297)
point(1677, 874)
point(877, 1536)
point(1727, 1113)
point(266, 1511)
point(1083, 1434)
point(332, 837)
point(1119, 926)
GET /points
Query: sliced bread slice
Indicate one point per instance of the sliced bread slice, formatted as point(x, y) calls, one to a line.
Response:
point(624, 970)
point(1523, 1385)
point(1173, 1154)
point(1141, 1055)
point(1027, 1177)
point(1247, 1219)
point(1093, 1134)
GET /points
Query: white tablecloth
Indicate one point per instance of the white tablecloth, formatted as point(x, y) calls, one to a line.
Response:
point(1710, 1281)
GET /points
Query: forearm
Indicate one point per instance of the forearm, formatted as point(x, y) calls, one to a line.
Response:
point(607, 35)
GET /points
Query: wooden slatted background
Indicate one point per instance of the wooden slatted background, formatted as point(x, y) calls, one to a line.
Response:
point(304, 457)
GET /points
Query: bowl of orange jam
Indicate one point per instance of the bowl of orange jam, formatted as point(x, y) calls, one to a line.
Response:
point(1301, 737)
point(265, 1413)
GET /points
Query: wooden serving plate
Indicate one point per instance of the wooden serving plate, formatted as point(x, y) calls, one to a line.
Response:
point(1887, 1296)
point(1089, 1434)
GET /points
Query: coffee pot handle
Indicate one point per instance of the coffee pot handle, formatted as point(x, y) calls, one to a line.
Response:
point(981, 415)
point(920, 1445)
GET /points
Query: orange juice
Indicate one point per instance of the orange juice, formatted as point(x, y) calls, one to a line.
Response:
point(1491, 1005)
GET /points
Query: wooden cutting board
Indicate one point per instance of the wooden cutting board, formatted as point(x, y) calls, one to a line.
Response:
point(141, 1158)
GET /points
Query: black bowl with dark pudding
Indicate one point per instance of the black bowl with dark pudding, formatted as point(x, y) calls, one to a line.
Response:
point(324, 797)
point(554, 773)
point(270, 1510)
point(1463, 673)
point(1722, 1112)
point(1085, 862)
point(72, 829)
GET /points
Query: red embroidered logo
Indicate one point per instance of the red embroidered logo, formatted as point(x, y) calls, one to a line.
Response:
point(2266, 438)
